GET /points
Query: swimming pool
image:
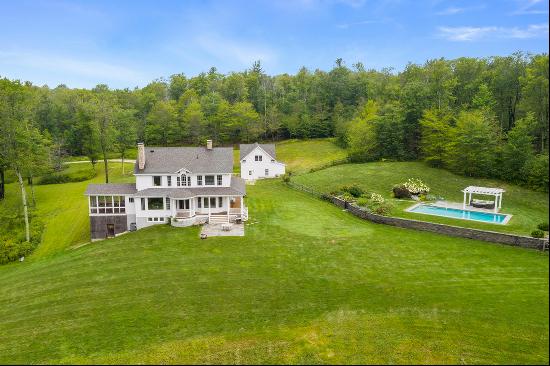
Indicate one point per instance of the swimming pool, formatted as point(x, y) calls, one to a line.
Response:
point(455, 213)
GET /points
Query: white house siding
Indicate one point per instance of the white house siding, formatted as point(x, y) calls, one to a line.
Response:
point(257, 168)
point(130, 219)
point(142, 216)
point(146, 181)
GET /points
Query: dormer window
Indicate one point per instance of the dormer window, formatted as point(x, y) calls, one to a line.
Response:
point(157, 180)
point(219, 179)
point(183, 180)
point(169, 182)
point(199, 180)
point(258, 158)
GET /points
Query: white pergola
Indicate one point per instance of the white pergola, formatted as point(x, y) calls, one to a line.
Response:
point(496, 192)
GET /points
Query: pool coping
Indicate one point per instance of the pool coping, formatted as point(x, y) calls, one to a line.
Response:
point(507, 217)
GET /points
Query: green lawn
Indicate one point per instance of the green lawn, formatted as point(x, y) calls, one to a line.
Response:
point(302, 155)
point(309, 283)
point(528, 207)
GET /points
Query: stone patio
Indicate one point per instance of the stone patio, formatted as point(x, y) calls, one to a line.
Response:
point(216, 230)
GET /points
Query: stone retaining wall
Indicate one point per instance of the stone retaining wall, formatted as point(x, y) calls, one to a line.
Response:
point(490, 236)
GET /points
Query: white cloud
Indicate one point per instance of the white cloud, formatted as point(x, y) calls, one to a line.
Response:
point(527, 7)
point(456, 10)
point(364, 22)
point(462, 34)
point(99, 70)
point(451, 11)
point(241, 53)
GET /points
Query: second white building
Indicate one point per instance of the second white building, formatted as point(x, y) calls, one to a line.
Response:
point(259, 161)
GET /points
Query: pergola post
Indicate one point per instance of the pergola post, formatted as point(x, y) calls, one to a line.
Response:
point(464, 202)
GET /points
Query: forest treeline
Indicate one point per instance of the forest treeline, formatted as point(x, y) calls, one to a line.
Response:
point(484, 117)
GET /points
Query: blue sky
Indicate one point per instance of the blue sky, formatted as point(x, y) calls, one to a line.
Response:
point(129, 43)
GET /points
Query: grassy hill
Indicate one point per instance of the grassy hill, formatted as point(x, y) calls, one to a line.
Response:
point(308, 283)
point(528, 207)
point(302, 155)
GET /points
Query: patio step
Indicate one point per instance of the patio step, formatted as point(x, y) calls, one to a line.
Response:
point(218, 219)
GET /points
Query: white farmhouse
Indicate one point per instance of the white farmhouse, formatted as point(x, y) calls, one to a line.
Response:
point(181, 185)
point(259, 161)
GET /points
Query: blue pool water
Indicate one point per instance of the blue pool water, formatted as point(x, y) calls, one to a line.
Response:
point(460, 214)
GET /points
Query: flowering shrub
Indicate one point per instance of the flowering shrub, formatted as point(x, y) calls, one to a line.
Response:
point(383, 209)
point(375, 203)
point(416, 186)
point(376, 198)
point(412, 186)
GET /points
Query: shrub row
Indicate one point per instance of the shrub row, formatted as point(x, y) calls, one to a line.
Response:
point(59, 178)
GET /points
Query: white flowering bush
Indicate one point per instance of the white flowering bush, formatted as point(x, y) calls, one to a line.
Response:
point(416, 186)
point(376, 198)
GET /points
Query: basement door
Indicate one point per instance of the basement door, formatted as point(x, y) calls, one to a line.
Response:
point(110, 230)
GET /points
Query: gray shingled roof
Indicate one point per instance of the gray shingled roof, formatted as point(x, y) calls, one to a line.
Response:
point(237, 188)
point(245, 149)
point(195, 159)
point(111, 189)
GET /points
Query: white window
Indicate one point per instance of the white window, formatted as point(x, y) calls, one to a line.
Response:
point(169, 180)
point(220, 201)
point(131, 199)
point(209, 180)
point(199, 180)
point(167, 203)
point(157, 180)
point(267, 172)
point(250, 172)
point(220, 179)
point(183, 180)
point(258, 158)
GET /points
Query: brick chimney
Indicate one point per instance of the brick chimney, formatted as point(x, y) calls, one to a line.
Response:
point(141, 155)
point(209, 144)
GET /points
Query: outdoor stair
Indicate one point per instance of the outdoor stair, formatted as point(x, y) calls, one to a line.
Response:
point(218, 219)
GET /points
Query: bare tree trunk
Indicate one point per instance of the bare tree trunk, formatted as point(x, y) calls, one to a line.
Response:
point(106, 166)
point(2, 185)
point(32, 190)
point(25, 208)
point(122, 158)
